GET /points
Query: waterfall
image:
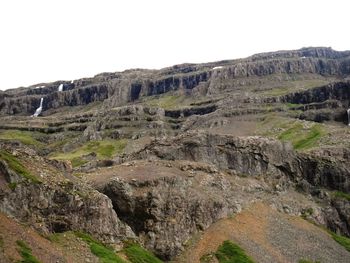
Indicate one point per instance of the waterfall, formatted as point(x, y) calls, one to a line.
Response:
point(60, 88)
point(348, 111)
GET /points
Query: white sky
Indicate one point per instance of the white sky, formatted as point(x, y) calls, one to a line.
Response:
point(49, 40)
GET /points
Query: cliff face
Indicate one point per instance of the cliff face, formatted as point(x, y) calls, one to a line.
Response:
point(39, 194)
point(209, 170)
point(160, 156)
point(323, 103)
point(336, 91)
point(165, 219)
point(128, 86)
point(252, 156)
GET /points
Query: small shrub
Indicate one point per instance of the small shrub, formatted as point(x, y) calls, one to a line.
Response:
point(137, 254)
point(307, 212)
point(229, 252)
point(26, 253)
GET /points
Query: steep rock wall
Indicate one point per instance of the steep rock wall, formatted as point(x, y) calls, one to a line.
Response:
point(129, 86)
point(55, 204)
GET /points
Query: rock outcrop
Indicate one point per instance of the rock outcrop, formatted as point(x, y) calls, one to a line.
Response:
point(52, 202)
point(252, 156)
point(161, 172)
point(128, 86)
point(160, 213)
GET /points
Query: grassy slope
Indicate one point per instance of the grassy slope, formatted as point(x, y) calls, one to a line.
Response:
point(307, 261)
point(26, 253)
point(302, 138)
point(295, 85)
point(302, 134)
point(342, 240)
point(134, 252)
point(137, 254)
point(17, 167)
point(262, 231)
point(25, 137)
point(105, 254)
point(230, 252)
point(104, 149)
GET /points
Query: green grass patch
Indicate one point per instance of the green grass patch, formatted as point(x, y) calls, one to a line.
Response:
point(229, 252)
point(341, 195)
point(172, 101)
point(104, 253)
point(12, 186)
point(55, 237)
point(104, 150)
point(26, 253)
point(166, 101)
point(310, 139)
point(302, 138)
point(137, 254)
point(342, 240)
point(78, 161)
point(290, 133)
point(307, 261)
point(25, 137)
point(293, 105)
point(289, 86)
point(16, 166)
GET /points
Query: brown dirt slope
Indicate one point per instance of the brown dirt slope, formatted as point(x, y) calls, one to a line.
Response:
point(69, 250)
point(268, 236)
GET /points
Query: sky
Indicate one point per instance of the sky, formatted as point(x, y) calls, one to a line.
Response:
point(49, 40)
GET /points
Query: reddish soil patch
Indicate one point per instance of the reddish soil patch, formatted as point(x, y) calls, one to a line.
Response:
point(69, 250)
point(268, 236)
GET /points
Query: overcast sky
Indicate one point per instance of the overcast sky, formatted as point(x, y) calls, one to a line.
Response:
point(52, 40)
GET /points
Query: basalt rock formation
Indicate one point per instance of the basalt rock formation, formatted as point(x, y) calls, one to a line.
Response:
point(157, 207)
point(53, 202)
point(159, 157)
point(128, 86)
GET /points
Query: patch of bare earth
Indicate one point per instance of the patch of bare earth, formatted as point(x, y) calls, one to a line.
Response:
point(135, 170)
point(68, 250)
point(268, 236)
point(236, 126)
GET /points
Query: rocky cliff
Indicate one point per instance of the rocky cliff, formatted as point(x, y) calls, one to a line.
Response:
point(128, 86)
point(34, 190)
point(157, 158)
point(152, 197)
